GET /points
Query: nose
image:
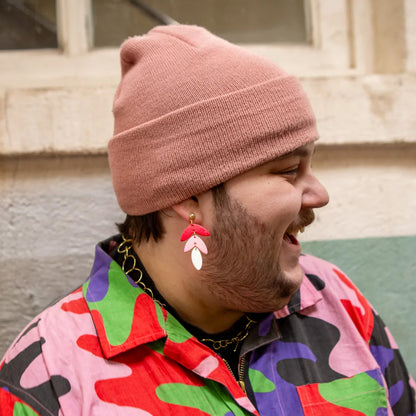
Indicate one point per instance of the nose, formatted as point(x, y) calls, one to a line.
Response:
point(315, 194)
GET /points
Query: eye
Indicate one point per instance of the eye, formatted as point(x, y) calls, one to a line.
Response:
point(292, 171)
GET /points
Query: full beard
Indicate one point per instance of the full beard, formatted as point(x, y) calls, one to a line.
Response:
point(241, 269)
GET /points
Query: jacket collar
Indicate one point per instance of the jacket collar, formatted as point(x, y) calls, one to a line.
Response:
point(308, 294)
point(305, 297)
point(125, 317)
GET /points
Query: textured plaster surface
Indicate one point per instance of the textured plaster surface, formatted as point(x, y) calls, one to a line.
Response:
point(55, 210)
point(410, 13)
point(349, 110)
point(368, 109)
point(372, 192)
point(58, 120)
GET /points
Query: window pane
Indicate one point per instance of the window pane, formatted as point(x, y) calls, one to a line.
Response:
point(240, 21)
point(27, 24)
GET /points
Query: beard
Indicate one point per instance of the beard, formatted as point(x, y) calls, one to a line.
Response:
point(242, 269)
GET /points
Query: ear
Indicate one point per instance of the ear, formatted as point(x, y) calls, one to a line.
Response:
point(185, 208)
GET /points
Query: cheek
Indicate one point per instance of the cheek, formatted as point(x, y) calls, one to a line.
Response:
point(271, 202)
point(281, 209)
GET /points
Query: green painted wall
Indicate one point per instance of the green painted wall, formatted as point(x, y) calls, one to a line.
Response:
point(385, 271)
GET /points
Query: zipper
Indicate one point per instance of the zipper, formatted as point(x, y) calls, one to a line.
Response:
point(241, 368)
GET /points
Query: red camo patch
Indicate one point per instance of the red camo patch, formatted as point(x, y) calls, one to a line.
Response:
point(78, 306)
point(190, 356)
point(90, 343)
point(186, 353)
point(149, 370)
point(363, 322)
point(7, 402)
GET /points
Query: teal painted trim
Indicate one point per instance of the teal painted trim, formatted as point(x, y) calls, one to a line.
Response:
point(385, 271)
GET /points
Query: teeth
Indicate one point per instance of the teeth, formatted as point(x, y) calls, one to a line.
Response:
point(296, 231)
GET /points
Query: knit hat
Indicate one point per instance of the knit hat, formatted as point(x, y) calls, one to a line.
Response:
point(192, 111)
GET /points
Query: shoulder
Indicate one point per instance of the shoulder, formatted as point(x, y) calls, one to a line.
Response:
point(66, 319)
point(42, 351)
point(59, 321)
point(339, 294)
point(330, 275)
point(312, 264)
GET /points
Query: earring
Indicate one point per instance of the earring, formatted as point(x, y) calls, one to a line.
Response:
point(195, 243)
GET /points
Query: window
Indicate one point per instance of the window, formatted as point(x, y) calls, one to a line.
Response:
point(239, 21)
point(28, 24)
point(66, 92)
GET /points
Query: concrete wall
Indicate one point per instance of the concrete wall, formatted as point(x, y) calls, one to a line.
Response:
point(55, 189)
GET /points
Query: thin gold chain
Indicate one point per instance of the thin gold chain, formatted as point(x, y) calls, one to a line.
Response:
point(224, 343)
point(124, 248)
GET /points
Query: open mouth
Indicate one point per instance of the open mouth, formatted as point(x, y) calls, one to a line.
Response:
point(290, 238)
point(291, 233)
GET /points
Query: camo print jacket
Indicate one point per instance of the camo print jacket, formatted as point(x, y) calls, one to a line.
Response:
point(108, 349)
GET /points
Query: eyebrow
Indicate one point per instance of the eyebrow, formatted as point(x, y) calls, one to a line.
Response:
point(300, 151)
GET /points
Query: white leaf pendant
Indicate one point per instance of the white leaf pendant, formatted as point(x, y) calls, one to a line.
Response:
point(196, 258)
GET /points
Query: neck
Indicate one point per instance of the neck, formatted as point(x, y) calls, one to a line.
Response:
point(183, 287)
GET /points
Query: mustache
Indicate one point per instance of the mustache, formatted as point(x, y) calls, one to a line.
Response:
point(306, 217)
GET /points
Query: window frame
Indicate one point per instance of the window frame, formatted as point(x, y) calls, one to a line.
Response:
point(340, 47)
point(76, 58)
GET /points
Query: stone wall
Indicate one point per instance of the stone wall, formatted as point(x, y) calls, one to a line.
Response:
point(55, 188)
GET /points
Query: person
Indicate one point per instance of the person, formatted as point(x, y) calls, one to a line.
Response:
point(204, 303)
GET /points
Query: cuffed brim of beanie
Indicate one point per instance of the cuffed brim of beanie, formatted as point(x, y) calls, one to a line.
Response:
point(187, 152)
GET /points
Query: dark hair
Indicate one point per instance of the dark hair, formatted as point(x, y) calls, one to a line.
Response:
point(143, 227)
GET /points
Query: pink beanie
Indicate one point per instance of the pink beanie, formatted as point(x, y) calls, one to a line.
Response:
point(192, 111)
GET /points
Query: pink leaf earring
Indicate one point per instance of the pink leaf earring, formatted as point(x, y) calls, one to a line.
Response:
point(194, 242)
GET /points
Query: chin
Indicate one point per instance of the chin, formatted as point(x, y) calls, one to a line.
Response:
point(268, 306)
point(294, 275)
point(277, 301)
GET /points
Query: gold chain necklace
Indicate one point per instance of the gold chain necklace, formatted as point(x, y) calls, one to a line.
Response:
point(224, 343)
point(124, 248)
